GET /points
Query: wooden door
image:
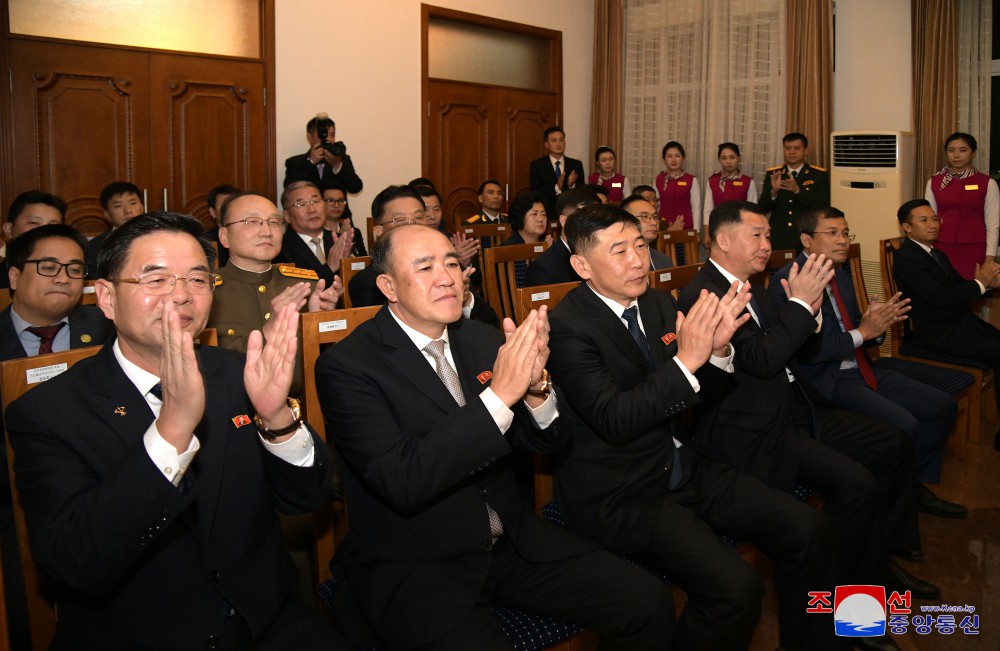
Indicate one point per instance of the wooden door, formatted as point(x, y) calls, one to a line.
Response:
point(525, 115)
point(79, 117)
point(461, 139)
point(207, 128)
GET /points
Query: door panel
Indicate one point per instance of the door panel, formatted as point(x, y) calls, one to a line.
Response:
point(211, 116)
point(460, 132)
point(77, 112)
point(525, 117)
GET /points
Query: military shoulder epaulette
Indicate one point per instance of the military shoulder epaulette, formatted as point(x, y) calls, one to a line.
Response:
point(775, 169)
point(291, 271)
point(817, 167)
point(218, 280)
point(473, 219)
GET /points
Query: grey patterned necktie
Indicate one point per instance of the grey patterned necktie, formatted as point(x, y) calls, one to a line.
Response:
point(317, 243)
point(451, 382)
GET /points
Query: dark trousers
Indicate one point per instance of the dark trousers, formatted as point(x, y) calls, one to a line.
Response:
point(920, 410)
point(724, 592)
point(630, 608)
point(297, 626)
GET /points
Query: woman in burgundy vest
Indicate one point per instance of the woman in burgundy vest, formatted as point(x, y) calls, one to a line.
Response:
point(678, 191)
point(968, 204)
point(608, 176)
point(728, 184)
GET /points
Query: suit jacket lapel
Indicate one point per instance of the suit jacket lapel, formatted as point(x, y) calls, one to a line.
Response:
point(116, 400)
point(612, 326)
point(662, 336)
point(411, 363)
point(10, 343)
point(83, 331)
point(209, 465)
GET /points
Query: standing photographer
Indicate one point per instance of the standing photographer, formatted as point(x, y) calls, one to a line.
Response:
point(326, 160)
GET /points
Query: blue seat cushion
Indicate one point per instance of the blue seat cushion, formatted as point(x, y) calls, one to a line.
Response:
point(945, 379)
point(916, 350)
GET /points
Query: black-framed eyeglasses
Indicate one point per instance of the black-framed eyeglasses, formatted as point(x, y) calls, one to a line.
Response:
point(847, 235)
point(51, 268)
point(335, 202)
point(256, 222)
point(158, 283)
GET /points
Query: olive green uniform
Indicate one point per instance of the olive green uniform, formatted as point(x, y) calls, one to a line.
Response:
point(241, 304)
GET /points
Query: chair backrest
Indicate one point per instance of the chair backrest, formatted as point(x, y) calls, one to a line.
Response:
point(886, 258)
point(504, 269)
point(16, 377)
point(89, 296)
point(531, 298)
point(673, 280)
point(349, 267)
point(5, 299)
point(318, 328)
point(489, 235)
point(681, 246)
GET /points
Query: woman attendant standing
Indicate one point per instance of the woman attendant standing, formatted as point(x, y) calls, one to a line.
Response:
point(678, 191)
point(607, 175)
point(728, 184)
point(968, 205)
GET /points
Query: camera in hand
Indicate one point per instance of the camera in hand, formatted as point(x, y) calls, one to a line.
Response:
point(338, 149)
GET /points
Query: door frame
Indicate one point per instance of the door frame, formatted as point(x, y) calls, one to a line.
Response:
point(427, 12)
point(268, 58)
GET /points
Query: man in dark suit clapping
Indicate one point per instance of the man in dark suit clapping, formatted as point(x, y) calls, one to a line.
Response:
point(554, 173)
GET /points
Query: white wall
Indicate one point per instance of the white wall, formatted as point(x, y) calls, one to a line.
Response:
point(873, 80)
point(369, 81)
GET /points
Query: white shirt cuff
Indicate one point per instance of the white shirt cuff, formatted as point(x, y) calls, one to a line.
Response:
point(857, 338)
point(298, 450)
point(725, 363)
point(546, 413)
point(165, 456)
point(982, 287)
point(690, 378)
point(501, 413)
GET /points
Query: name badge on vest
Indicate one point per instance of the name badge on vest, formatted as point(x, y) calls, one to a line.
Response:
point(972, 187)
point(682, 183)
point(616, 185)
point(738, 183)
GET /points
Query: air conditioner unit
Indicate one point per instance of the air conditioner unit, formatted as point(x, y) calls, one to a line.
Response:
point(871, 177)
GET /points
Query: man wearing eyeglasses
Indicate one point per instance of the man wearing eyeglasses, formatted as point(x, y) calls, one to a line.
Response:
point(46, 274)
point(844, 373)
point(307, 244)
point(150, 491)
point(649, 224)
point(251, 289)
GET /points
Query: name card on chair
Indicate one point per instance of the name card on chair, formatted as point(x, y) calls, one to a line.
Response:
point(538, 249)
point(664, 277)
point(330, 326)
point(789, 255)
point(539, 296)
point(357, 266)
point(89, 289)
point(501, 228)
point(43, 373)
point(468, 230)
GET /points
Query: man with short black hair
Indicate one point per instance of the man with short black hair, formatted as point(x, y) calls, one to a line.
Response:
point(554, 173)
point(490, 204)
point(630, 365)
point(150, 493)
point(326, 160)
point(649, 224)
point(30, 210)
point(553, 266)
point(791, 189)
point(121, 201)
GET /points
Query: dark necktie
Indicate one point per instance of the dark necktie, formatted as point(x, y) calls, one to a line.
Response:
point(755, 306)
point(47, 334)
point(451, 382)
point(859, 356)
point(940, 259)
point(558, 169)
point(631, 316)
point(157, 391)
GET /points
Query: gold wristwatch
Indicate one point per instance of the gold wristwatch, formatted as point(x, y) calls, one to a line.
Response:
point(271, 434)
point(546, 387)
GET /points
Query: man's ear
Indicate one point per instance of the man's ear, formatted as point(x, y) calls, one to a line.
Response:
point(806, 240)
point(905, 226)
point(723, 241)
point(13, 274)
point(105, 291)
point(387, 286)
point(580, 266)
point(224, 237)
point(7, 231)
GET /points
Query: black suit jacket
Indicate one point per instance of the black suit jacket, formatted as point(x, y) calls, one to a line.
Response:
point(87, 327)
point(135, 561)
point(939, 301)
point(619, 415)
point(552, 267)
point(543, 178)
point(747, 427)
point(418, 471)
point(298, 168)
point(295, 251)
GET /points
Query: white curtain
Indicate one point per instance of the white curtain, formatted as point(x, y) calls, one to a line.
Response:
point(703, 72)
point(975, 36)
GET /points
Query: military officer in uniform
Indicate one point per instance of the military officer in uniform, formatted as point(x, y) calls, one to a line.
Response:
point(251, 289)
point(491, 203)
point(791, 190)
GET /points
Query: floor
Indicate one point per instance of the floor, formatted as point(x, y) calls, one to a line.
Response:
point(961, 557)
